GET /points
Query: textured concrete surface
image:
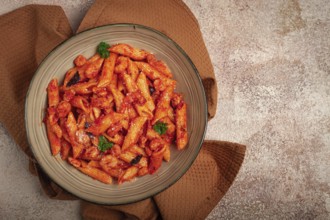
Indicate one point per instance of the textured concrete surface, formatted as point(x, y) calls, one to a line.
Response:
point(272, 66)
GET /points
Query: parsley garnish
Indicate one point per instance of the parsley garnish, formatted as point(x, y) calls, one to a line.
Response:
point(160, 127)
point(102, 49)
point(104, 144)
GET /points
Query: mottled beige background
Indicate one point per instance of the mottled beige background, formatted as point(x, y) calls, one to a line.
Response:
point(272, 63)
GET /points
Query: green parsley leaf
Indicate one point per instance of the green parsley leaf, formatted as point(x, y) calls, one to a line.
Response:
point(160, 127)
point(102, 49)
point(104, 144)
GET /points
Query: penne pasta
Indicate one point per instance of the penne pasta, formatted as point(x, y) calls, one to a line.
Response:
point(163, 104)
point(55, 142)
point(71, 127)
point(132, 70)
point(72, 76)
point(81, 103)
point(150, 71)
point(129, 83)
point(116, 114)
point(167, 153)
point(53, 93)
point(118, 97)
point(80, 60)
point(65, 149)
point(93, 68)
point(100, 125)
point(57, 130)
point(108, 70)
point(91, 171)
point(181, 126)
point(134, 132)
point(129, 51)
point(63, 109)
point(121, 64)
point(159, 65)
point(129, 174)
point(144, 88)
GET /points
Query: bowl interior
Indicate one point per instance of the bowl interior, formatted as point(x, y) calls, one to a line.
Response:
point(61, 59)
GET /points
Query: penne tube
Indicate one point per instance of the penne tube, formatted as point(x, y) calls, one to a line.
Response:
point(109, 162)
point(129, 51)
point(77, 149)
point(108, 70)
point(65, 149)
point(129, 83)
point(101, 124)
point(71, 77)
point(159, 65)
point(150, 71)
point(156, 159)
point(143, 171)
point(127, 156)
point(63, 109)
point(95, 164)
point(120, 85)
point(134, 132)
point(57, 130)
point(55, 142)
point(96, 174)
point(118, 97)
point(132, 70)
point(80, 60)
point(52, 117)
point(143, 110)
point(163, 104)
point(116, 139)
point(137, 150)
point(167, 153)
point(162, 84)
point(96, 112)
point(80, 102)
point(91, 153)
point(181, 126)
point(93, 68)
point(121, 64)
point(151, 133)
point(144, 88)
point(129, 174)
point(53, 93)
point(71, 127)
point(143, 162)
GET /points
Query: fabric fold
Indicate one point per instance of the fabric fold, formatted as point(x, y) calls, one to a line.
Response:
point(193, 196)
point(27, 36)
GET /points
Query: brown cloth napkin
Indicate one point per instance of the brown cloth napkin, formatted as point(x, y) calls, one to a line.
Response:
point(29, 33)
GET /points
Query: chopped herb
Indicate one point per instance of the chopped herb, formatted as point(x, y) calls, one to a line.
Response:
point(75, 79)
point(160, 127)
point(104, 144)
point(90, 135)
point(102, 49)
point(136, 159)
point(151, 90)
point(87, 124)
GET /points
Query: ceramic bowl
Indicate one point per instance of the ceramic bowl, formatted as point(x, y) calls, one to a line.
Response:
point(61, 59)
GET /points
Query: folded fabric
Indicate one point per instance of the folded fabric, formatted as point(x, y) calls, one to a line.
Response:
point(29, 33)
